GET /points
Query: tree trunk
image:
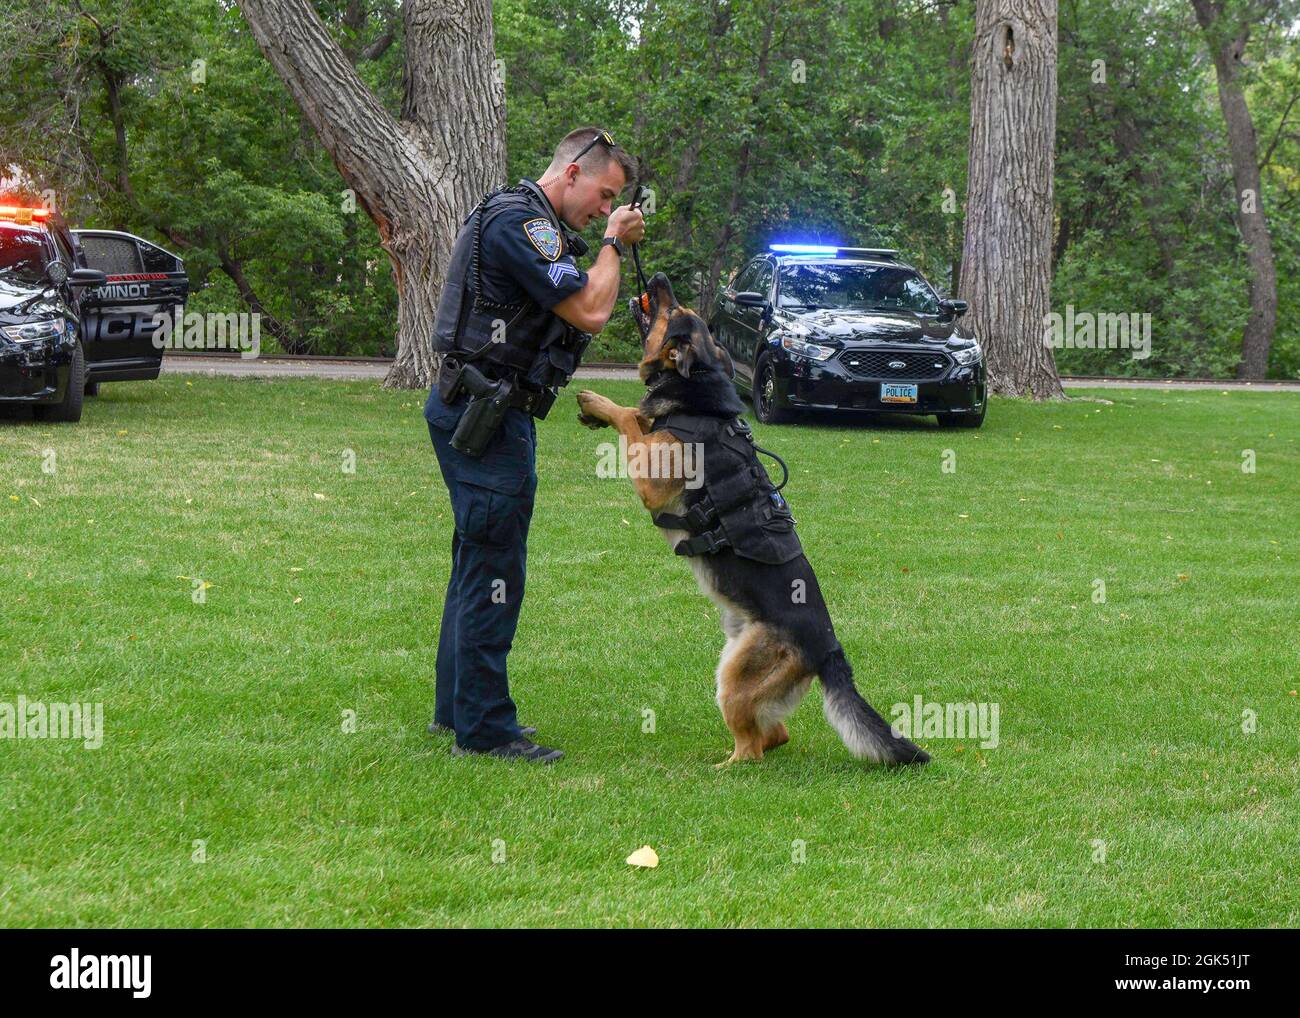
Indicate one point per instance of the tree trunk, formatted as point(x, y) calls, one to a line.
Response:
point(1007, 252)
point(1228, 45)
point(418, 176)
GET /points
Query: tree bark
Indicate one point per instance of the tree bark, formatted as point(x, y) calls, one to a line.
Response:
point(1227, 44)
point(1007, 251)
point(416, 176)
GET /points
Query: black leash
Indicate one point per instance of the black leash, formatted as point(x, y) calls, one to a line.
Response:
point(785, 471)
point(636, 248)
point(741, 426)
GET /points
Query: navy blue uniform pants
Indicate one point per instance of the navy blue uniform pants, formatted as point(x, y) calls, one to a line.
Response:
point(492, 505)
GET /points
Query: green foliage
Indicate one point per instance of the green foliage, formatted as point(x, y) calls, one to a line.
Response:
point(831, 120)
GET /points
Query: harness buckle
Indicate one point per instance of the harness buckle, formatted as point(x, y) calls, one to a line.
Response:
point(700, 515)
point(741, 427)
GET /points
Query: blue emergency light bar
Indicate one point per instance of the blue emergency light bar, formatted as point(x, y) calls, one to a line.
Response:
point(825, 249)
point(802, 249)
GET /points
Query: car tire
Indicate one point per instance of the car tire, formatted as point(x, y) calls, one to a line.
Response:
point(962, 420)
point(92, 388)
point(767, 407)
point(68, 409)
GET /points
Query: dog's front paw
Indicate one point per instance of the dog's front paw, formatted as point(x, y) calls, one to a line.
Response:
point(594, 409)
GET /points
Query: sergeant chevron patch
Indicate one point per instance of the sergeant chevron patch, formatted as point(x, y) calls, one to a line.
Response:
point(559, 270)
point(544, 237)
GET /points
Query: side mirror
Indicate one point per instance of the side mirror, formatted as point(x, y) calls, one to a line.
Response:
point(750, 299)
point(954, 307)
point(87, 277)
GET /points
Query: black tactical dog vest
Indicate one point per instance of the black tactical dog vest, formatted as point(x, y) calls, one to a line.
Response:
point(737, 506)
point(535, 346)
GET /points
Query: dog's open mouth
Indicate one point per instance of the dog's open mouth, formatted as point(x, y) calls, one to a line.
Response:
point(640, 308)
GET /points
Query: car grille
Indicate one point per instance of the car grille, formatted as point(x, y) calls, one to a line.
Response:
point(916, 364)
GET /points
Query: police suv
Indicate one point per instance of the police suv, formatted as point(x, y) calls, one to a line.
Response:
point(77, 308)
point(848, 328)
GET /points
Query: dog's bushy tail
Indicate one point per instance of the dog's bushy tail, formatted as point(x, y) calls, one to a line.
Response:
point(866, 734)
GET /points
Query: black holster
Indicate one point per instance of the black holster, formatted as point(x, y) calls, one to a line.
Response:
point(487, 408)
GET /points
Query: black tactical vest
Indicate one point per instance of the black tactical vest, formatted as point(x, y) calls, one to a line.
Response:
point(520, 341)
point(737, 506)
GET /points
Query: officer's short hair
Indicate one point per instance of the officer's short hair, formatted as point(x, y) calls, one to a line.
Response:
point(597, 158)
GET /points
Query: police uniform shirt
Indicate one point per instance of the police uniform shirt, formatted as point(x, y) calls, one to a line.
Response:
point(524, 256)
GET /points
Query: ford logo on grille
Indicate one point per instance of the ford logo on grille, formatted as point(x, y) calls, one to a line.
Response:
point(898, 365)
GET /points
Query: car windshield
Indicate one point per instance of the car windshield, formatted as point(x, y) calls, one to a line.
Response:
point(860, 287)
point(22, 254)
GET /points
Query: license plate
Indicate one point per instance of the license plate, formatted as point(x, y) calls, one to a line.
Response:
point(895, 392)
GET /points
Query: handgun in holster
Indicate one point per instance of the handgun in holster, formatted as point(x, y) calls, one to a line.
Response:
point(489, 401)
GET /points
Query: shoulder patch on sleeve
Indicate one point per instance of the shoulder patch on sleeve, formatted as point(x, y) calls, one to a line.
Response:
point(543, 236)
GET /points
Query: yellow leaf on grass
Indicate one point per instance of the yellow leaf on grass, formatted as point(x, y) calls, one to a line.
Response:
point(318, 495)
point(644, 856)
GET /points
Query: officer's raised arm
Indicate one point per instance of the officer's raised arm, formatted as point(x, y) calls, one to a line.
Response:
point(589, 309)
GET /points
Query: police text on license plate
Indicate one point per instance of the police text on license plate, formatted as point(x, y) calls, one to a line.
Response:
point(895, 392)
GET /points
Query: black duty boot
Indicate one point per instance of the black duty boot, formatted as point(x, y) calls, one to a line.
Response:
point(520, 749)
point(439, 729)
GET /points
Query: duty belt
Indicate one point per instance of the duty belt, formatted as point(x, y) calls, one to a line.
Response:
point(534, 402)
point(530, 401)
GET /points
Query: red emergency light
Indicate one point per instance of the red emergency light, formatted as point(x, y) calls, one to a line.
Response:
point(23, 215)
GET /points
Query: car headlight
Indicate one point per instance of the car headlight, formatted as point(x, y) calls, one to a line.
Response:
point(810, 350)
point(35, 332)
point(968, 354)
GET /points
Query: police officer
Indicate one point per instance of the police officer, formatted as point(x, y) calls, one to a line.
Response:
point(514, 317)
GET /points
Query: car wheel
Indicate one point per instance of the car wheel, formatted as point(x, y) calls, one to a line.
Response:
point(92, 388)
point(962, 420)
point(767, 404)
point(68, 409)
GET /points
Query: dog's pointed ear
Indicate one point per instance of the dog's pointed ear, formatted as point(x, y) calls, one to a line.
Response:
point(684, 356)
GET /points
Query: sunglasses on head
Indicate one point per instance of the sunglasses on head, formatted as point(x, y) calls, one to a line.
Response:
point(601, 136)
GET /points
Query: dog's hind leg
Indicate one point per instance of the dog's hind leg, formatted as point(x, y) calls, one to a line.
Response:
point(761, 679)
point(773, 713)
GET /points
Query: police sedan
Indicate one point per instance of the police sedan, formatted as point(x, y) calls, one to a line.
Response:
point(812, 327)
point(77, 308)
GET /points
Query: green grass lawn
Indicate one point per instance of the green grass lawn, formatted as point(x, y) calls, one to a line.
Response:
point(1120, 722)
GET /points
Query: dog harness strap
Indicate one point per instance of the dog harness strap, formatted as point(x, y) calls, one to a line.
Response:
point(737, 507)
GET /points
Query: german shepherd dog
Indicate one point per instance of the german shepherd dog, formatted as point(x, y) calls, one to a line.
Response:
point(773, 648)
